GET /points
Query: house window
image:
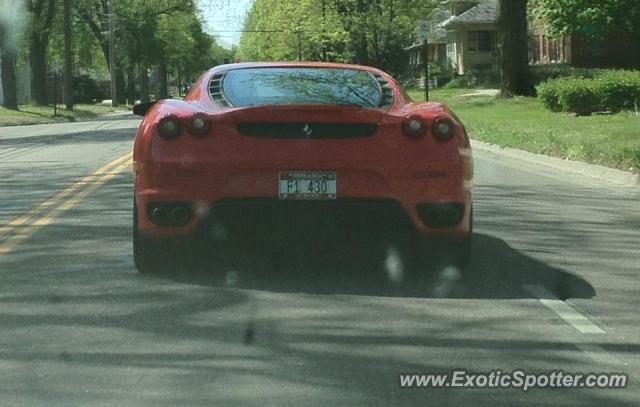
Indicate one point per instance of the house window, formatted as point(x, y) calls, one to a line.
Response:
point(483, 41)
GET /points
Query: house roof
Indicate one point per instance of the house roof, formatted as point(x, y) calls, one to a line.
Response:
point(484, 13)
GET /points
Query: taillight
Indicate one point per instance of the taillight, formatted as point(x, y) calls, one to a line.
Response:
point(169, 128)
point(443, 129)
point(414, 126)
point(199, 125)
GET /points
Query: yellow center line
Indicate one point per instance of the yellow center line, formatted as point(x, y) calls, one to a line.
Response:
point(35, 211)
point(100, 177)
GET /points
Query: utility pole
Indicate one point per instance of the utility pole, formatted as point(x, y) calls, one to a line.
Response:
point(425, 44)
point(68, 57)
point(112, 53)
point(299, 46)
point(424, 30)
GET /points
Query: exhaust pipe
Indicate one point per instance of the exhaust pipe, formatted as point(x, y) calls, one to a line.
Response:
point(170, 214)
point(159, 215)
point(180, 215)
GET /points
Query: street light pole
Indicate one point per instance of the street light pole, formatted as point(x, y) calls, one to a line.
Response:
point(112, 54)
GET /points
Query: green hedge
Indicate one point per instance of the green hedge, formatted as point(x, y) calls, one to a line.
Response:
point(610, 91)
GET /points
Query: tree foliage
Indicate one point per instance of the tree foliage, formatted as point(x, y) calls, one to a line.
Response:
point(164, 36)
point(369, 32)
point(592, 18)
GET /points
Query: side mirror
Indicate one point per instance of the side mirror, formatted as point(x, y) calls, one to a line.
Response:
point(141, 109)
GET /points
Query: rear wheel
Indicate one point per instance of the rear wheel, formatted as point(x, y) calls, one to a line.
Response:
point(152, 256)
point(456, 253)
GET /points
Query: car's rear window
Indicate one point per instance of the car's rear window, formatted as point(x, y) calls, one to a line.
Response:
point(282, 86)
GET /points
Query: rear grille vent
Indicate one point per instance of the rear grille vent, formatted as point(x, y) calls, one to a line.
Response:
point(312, 131)
point(215, 90)
point(387, 92)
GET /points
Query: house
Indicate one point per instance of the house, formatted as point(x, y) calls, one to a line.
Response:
point(613, 50)
point(472, 36)
point(463, 35)
point(471, 43)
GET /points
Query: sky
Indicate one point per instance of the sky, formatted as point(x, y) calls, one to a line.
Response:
point(224, 18)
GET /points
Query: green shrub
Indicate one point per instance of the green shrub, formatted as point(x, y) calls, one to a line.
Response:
point(580, 96)
point(549, 94)
point(620, 90)
point(611, 91)
point(85, 89)
point(544, 73)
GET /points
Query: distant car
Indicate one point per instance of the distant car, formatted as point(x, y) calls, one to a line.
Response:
point(297, 136)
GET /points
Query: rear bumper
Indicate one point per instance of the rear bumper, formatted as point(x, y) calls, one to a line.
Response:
point(222, 195)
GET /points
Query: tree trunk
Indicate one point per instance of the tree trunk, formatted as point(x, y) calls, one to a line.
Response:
point(121, 97)
point(362, 50)
point(163, 89)
point(8, 69)
point(131, 86)
point(38, 63)
point(38, 42)
point(515, 49)
point(179, 74)
point(144, 83)
point(68, 57)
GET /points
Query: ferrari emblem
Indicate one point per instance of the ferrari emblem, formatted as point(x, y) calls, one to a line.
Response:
point(307, 130)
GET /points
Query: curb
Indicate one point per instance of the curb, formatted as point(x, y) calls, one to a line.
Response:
point(604, 175)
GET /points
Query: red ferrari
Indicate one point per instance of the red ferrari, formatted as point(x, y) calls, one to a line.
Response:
point(297, 138)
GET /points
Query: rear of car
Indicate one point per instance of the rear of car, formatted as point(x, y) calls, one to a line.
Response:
point(299, 138)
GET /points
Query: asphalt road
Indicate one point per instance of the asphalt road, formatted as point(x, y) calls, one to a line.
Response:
point(553, 286)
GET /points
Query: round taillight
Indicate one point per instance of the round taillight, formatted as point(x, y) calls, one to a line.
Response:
point(443, 129)
point(199, 125)
point(414, 126)
point(169, 128)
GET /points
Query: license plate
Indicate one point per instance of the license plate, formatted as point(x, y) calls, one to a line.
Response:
point(307, 185)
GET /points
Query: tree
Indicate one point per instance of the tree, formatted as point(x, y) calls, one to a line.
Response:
point(515, 49)
point(137, 34)
point(592, 18)
point(41, 13)
point(68, 57)
point(369, 32)
point(8, 70)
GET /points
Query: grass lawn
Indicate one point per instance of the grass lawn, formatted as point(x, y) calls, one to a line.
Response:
point(37, 115)
point(523, 123)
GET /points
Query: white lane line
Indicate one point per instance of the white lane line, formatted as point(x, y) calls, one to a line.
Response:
point(565, 311)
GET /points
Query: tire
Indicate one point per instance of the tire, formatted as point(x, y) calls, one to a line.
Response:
point(460, 250)
point(443, 253)
point(462, 253)
point(150, 256)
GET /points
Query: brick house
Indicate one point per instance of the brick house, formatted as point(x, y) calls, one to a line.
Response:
point(615, 50)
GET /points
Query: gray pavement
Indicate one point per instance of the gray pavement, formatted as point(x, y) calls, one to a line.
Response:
point(553, 285)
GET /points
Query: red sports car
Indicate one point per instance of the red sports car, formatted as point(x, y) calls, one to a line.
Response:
point(251, 139)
